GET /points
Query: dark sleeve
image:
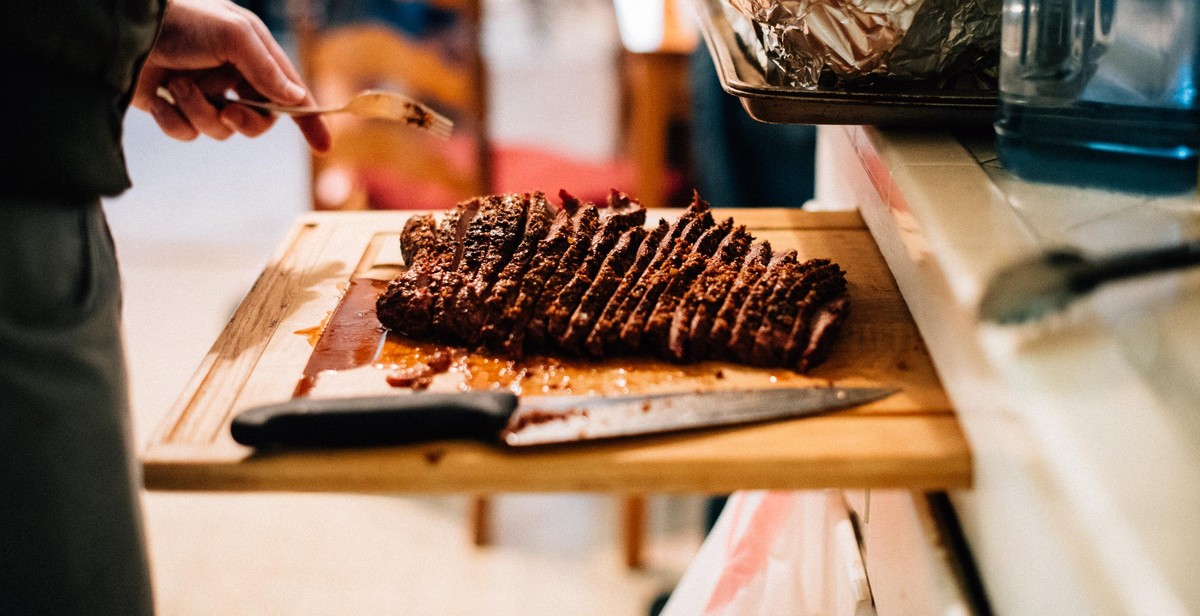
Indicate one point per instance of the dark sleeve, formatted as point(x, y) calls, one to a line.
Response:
point(73, 66)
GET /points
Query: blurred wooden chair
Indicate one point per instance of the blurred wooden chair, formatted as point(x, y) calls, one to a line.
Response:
point(382, 165)
point(657, 39)
point(350, 46)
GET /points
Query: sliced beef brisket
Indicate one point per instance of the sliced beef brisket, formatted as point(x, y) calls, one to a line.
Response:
point(515, 275)
point(786, 305)
point(658, 276)
point(587, 223)
point(619, 220)
point(504, 330)
point(658, 325)
point(608, 324)
point(707, 292)
point(408, 303)
point(417, 237)
point(540, 219)
point(475, 243)
point(503, 235)
point(608, 278)
point(741, 337)
point(713, 345)
point(614, 330)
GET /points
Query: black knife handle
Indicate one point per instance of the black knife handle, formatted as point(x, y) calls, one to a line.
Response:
point(380, 420)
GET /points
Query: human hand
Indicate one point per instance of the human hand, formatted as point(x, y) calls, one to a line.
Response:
point(207, 47)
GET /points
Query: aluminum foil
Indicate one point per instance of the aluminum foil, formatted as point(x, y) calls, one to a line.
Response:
point(812, 43)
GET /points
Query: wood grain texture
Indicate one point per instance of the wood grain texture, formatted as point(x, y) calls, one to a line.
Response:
point(910, 440)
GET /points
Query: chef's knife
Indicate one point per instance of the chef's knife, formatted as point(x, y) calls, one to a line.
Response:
point(502, 417)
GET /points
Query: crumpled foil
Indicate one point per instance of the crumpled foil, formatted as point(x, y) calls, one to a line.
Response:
point(816, 43)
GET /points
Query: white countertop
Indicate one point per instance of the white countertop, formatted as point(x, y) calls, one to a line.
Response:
point(1085, 426)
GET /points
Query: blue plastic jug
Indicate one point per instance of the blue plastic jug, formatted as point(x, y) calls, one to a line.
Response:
point(1101, 93)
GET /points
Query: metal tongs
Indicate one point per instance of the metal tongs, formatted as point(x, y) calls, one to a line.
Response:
point(1034, 287)
point(370, 104)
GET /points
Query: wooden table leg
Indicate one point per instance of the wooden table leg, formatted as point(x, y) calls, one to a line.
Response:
point(480, 520)
point(633, 529)
point(658, 90)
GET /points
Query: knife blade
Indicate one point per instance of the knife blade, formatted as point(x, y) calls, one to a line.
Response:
point(502, 417)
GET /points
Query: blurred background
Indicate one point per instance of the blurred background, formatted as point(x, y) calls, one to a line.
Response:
point(547, 94)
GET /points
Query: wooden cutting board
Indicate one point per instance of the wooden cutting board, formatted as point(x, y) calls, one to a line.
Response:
point(909, 440)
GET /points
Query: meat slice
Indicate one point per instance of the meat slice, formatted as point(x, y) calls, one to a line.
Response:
point(587, 224)
point(539, 219)
point(607, 323)
point(620, 260)
point(779, 319)
point(474, 246)
point(619, 202)
point(609, 329)
point(825, 291)
point(741, 338)
point(656, 280)
point(713, 345)
point(417, 237)
point(620, 219)
point(513, 274)
point(644, 295)
point(707, 292)
point(507, 319)
point(408, 303)
point(658, 324)
point(504, 233)
point(822, 332)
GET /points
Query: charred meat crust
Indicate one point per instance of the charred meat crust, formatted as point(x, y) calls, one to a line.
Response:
point(658, 325)
point(408, 303)
point(795, 297)
point(741, 338)
point(824, 290)
point(469, 251)
point(709, 289)
point(587, 223)
point(569, 203)
point(559, 313)
point(514, 274)
point(609, 319)
point(509, 320)
point(613, 332)
point(596, 297)
point(539, 219)
point(504, 233)
point(550, 255)
point(723, 320)
point(417, 237)
point(825, 326)
point(658, 276)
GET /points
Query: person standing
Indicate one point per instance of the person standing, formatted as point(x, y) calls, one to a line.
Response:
point(71, 538)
